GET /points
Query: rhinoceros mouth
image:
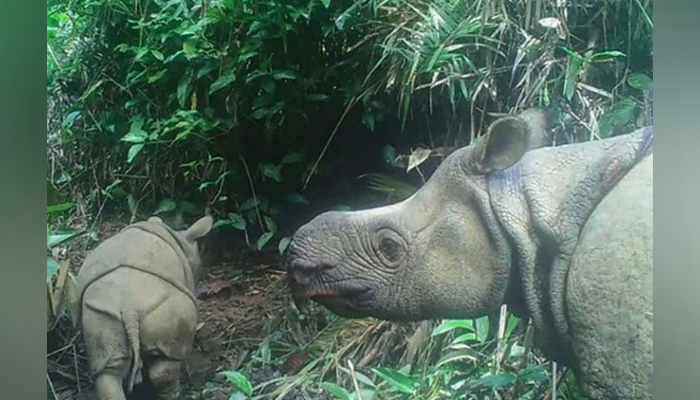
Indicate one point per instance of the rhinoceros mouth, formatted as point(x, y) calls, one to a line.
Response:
point(342, 297)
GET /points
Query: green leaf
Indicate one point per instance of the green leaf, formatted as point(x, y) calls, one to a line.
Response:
point(237, 396)
point(396, 379)
point(512, 323)
point(70, 119)
point(639, 81)
point(389, 154)
point(270, 224)
point(482, 328)
point(136, 134)
point(537, 373)
point(59, 207)
point(291, 158)
point(189, 47)
point(260, 113)
point(237, 221)
point(158, 55)
point(241, 382)
point(134, 150)
point(284, 74)
point(183, 89)
point(54, 239)
point(51, 193)
point(326, 3)
point(620, 114)
point(264, 238)
point(462, 354)
point(140, 53)
point(359, 376)
point(132, 204)
point(283, 244)
point(205, 185)
point(368, 120)
point(316, 97)
point(269, 87)
point(249, 204)
point(494, 381)
point(451, 324)
point(463, 89)
point(573, 68)
point(613, 53)
point(51, 268)
point(466, 337)
point(114, 186)
point(189, 208)
point(221, 83)
point(271, 171)
point(296, 198)
point(157, 76)
point(335, 390)
point(364, 394)
point(165, 205)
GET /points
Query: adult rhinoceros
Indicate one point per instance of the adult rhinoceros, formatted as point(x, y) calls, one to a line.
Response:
point(562, 234)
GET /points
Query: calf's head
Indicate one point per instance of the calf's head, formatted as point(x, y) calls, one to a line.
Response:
point(438, 254)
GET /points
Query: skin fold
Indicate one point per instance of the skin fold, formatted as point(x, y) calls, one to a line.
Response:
point(138, 309)
point(561, 234)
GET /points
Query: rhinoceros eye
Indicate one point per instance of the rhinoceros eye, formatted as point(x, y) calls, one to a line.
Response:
point(390, 247)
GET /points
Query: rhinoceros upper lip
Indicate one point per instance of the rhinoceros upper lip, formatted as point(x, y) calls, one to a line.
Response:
point(301, 294)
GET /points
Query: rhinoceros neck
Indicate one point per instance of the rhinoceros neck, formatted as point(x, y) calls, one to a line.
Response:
point(542, 203)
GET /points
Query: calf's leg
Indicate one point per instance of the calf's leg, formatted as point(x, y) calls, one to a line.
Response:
point(109, 387)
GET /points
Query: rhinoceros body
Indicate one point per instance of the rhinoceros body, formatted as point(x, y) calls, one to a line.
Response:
point(138, 309)
point(563, 235)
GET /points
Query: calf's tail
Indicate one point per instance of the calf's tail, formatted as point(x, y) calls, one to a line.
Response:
point(130, 319)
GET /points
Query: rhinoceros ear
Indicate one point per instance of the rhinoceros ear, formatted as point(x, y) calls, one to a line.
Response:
point(199, 229)
point(156, 220)
point(539, 124)
point(503, 145)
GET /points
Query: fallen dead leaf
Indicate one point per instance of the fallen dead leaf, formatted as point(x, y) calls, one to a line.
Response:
point(212, 287)
point(417, 157)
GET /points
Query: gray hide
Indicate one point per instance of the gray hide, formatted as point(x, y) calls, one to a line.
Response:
point(560, 234)
point(138, 309)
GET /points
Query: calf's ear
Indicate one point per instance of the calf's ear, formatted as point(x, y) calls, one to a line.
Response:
point(199, 229)
point(503, 145)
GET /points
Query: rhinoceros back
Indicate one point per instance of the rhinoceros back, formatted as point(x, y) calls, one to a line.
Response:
point(149, 247)
point(609, 296)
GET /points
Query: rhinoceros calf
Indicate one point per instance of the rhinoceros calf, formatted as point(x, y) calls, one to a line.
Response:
point(138, 309)
point(563, 235)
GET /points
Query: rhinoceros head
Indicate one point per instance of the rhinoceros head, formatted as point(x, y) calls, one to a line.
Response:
point(438, 254)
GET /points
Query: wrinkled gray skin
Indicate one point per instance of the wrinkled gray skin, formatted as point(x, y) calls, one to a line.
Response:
point(138, 309)
point(562, 234)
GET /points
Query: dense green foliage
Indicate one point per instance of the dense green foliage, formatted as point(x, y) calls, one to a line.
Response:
point(266, 112)
point(172, 106)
